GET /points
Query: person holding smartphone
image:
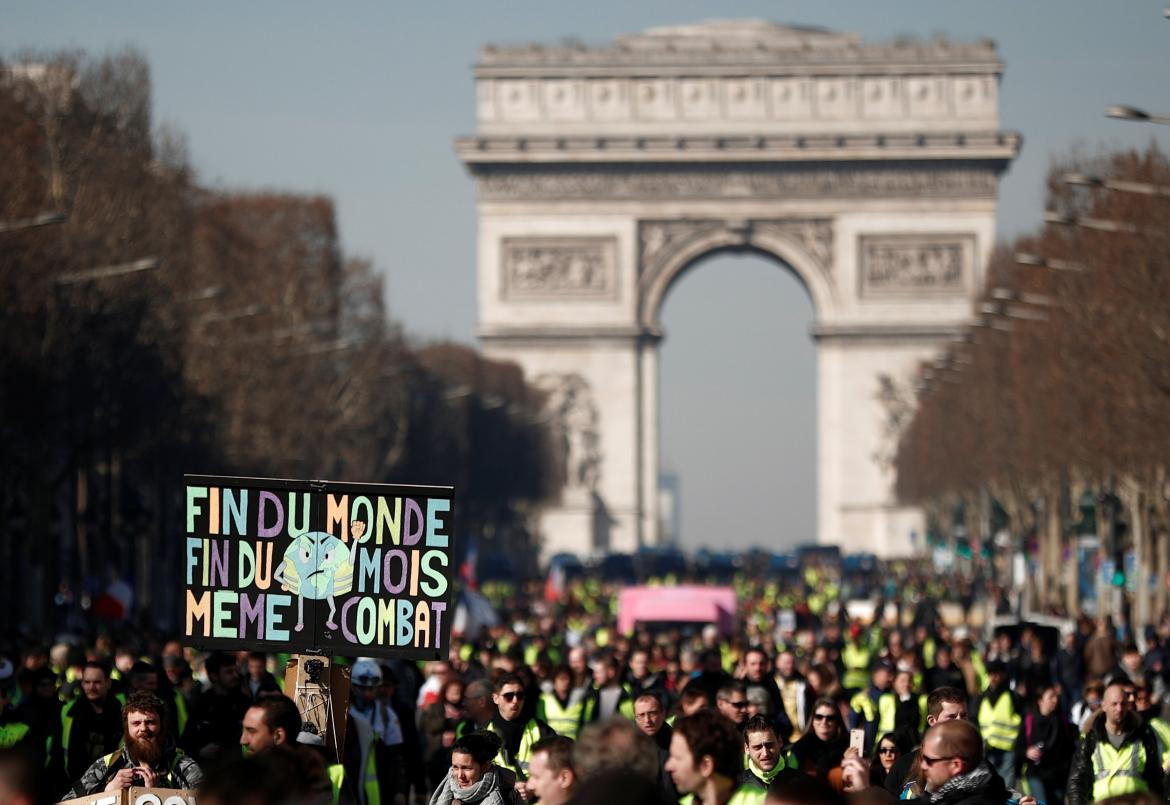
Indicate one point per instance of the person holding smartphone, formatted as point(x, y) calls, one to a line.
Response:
point(147, 758)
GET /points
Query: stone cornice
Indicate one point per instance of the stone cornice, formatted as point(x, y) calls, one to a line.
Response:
point(882, 331)
point(966, 179)
point(758, 68)
point(564, 333)
point(977, 145)
point(740, 45)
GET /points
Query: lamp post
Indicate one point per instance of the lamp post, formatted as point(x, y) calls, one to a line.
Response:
point(21, 224)
point(1028, 259)
point(1135, 114)
point(1120, 185)
point(1100, 224)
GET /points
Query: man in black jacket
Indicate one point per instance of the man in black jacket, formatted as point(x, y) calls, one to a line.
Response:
point(91, 725)
point(1118, 755)
point(954, 769)
point(650, 717)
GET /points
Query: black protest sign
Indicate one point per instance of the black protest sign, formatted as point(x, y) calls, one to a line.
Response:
point(351, 569)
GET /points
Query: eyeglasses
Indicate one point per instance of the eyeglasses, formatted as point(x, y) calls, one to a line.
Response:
point(888, 750)
point(512, 695)
point(930, 761)
point(824, 717)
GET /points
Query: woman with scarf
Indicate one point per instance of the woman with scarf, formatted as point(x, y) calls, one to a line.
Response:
point(474, 779)
point(820, 749)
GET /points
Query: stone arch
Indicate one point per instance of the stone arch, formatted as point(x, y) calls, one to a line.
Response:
point(669, 248)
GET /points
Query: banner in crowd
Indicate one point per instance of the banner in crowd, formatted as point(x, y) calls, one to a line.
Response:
point(136, 796)
point(350, 569)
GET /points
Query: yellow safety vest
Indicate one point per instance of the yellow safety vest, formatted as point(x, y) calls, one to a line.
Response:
point(744, 795)
point(523, 756)
point(1000, 724)
point(625, 705)
point(564, 720)
point(887, 713)
point(1118, 771)
point(1162, 733)
point(336, 780)
point(861, 703)
point(12, 734)
point(856, 660)
point(370, 783)
point(180, 712)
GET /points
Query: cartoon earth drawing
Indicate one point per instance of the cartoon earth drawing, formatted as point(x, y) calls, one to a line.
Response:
point(317, 566)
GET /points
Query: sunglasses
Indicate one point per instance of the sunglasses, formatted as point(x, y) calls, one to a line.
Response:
point(512, 695)
point(888, 750)
point(930, 761)
point(824, 717)
point(736, 705)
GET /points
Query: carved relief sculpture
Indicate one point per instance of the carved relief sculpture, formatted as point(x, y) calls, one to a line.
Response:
point(549, 268)
point(576, 425)
point(914, 265)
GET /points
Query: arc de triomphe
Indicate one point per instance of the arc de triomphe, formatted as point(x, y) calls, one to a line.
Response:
point(868, 170)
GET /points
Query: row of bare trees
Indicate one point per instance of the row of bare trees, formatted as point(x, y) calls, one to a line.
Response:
point(152, 327)
point(1061, 394)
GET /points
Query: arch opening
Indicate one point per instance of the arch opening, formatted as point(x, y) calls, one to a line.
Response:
point(737, 402)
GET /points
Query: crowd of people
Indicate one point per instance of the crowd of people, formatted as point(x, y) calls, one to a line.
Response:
point(554, 705)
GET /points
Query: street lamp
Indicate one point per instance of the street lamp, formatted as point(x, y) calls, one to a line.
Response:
point(1028, 259)
point(1135, 114)
point(105, 272)
point(44, 219)
point(1100, 224)
point(1008, 295)
point(1122, 185)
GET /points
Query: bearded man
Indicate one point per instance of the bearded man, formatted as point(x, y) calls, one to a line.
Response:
point(147, 758)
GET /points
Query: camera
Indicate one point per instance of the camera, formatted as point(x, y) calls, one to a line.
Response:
point(314, 669)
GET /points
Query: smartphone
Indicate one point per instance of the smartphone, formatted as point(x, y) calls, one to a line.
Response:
point(857, 741)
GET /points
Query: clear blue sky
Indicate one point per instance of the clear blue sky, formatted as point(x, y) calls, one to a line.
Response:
point(361, 100)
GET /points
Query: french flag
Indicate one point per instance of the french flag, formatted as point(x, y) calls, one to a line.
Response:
point(467, 569)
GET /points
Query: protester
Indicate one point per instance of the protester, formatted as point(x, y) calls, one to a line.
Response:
point(146, 758)
point(611, 745)
point(474, 778)
point(91, 725)
point(706, 761)
point(1117, 755)
point(761, 747)
point(731, 702)
point(217, 713)
point(518, 735)
point(259, 680)
point(1045, 747)
point(889, 747)
point(820, 749)
point(954, 767)
point(438, 724)
point(272, 721)
point(944, 704)
point(563, 706)
point(551, 777)
point(1000, 714)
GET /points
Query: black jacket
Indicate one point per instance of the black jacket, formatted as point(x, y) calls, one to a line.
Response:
point(980, 786)
point(1058, 739)
point(1080, 778)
